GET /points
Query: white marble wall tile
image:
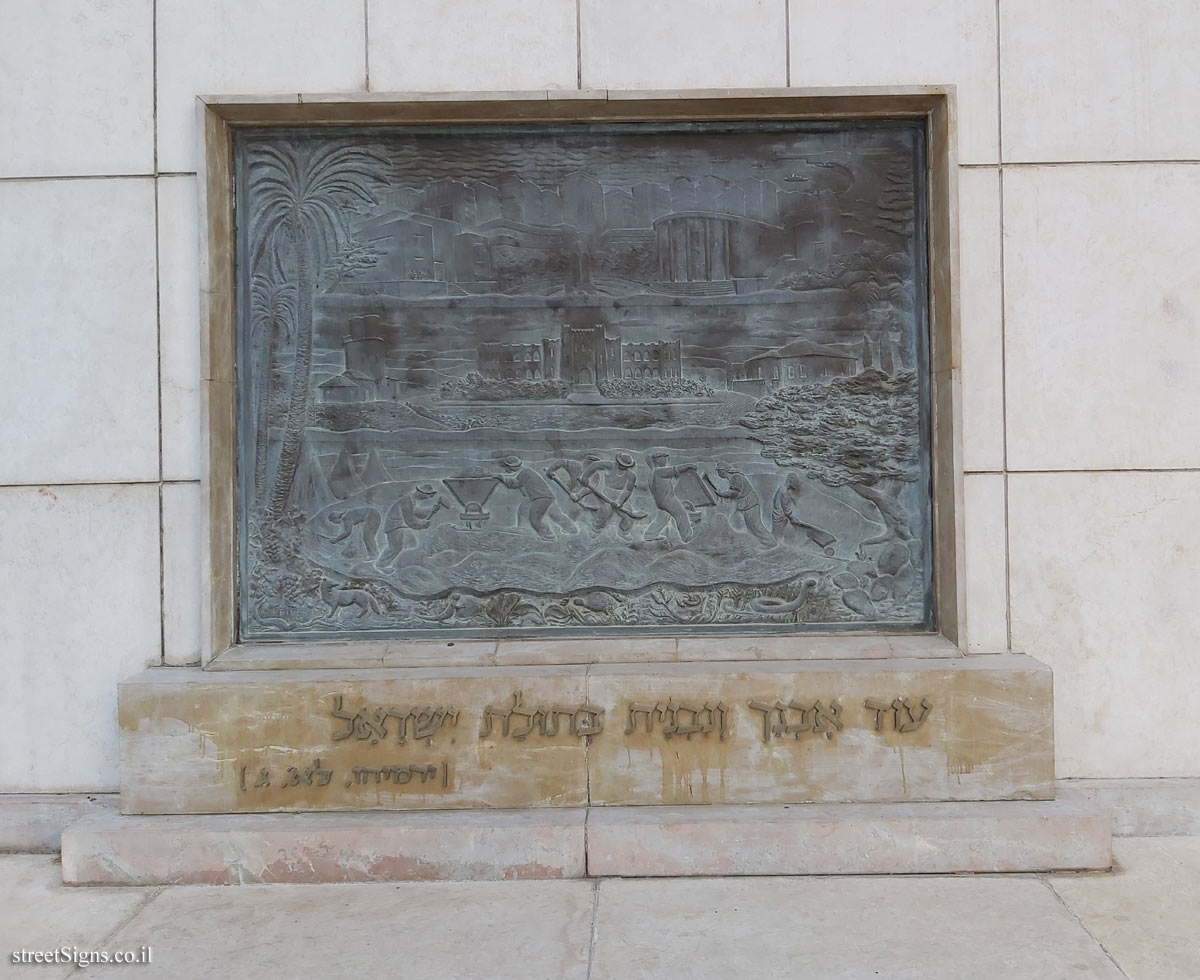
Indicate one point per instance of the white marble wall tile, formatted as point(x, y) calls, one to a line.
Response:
point(181, 587)
point(630, 44)
point(981, 318)
point(239, 47)
point(81, 611)
point(77, 96)
point(472, 45)
point(78, 328)
point(1102, 290)
point(1105, 570)
point(179, 326)
point(906, 42)
point(986, 564)
point(1100, 79)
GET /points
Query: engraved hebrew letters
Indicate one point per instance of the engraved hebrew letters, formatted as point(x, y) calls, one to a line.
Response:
point(582, 379)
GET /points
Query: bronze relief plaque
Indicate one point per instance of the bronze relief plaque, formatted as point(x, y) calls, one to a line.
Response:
point(582, 379)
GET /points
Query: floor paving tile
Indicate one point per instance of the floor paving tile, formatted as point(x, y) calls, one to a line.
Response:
point(39, 913)
point(901, 928)
point(1146, 914)
point(491, 930)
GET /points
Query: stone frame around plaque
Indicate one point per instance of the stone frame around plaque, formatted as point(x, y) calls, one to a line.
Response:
point(221, 117)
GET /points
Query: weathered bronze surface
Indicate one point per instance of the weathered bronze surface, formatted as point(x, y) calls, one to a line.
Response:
point(554, 379)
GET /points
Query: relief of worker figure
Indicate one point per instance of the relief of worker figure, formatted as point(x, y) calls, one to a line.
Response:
point(365, 518)
point(539, 498)
point(613, 497)
point(741, 491)
point(568, 474)
point(670, 508)
point(785, 516)
point(413, 511)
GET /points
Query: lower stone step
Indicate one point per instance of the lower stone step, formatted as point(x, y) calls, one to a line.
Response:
point(810, 839)
point(848, 839)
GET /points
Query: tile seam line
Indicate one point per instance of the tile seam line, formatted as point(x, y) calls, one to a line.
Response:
point(1078, 921)
point(787, 43)
point(99, 483)
point(1005, 164)
point(37, 178)
point(593, 926)
point(131, 915)
point(158, 342)
point(1004, 477)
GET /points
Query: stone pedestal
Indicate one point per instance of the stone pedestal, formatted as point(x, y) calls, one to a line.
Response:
point(669, 761)
point(731, 732)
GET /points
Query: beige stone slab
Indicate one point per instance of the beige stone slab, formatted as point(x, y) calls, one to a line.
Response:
point(981, 318)
point(80, 331)
point(1140, 807)
point(586, 650)
point(181, 585)
point(1145, 914)
point(1100, 80)
point(484, 44)
point(40, 914)
point(921, 646)
point(625, 44)
point(261, 46)
point(1105, 575)
point(79, 579)
point(523, 930)
point(198, 742)
point(967, 928)
point(179, 327)
point(986, 554)
point(796, 647)
point(987, 733)
point(1080, 395)
point(881, 42)
point(342, 655)
point(34, 822)
point(314, 848)
point(78, 93)
point(847, 839)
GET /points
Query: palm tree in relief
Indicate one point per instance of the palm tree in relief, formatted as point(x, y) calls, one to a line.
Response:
point(300, 193)
point(273, 315)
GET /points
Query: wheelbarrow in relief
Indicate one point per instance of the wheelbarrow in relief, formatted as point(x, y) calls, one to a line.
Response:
point(472, 492)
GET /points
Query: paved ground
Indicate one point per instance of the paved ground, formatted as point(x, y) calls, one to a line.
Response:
point(1141, 922)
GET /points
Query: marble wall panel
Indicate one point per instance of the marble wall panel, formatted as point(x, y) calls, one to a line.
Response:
point(1102, 292)
point(80, 580)
point(987, 563)
point(249, 47)
point(179, 325)
point(672, 44)
point(474, 45)
point(906, 42)
point(78, 92)
point(1100, 80)
point(1105, 572)
point(78, 323)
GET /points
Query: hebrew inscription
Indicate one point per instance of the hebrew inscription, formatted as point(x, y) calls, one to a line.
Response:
point(513, 719)
point(686, 718)
point(372, 724)
point(579, 379)
point(518, 722)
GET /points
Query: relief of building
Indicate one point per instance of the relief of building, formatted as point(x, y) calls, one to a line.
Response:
point(365, 378)
point(581, 356)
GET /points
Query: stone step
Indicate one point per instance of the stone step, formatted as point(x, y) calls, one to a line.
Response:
point(809, 839)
